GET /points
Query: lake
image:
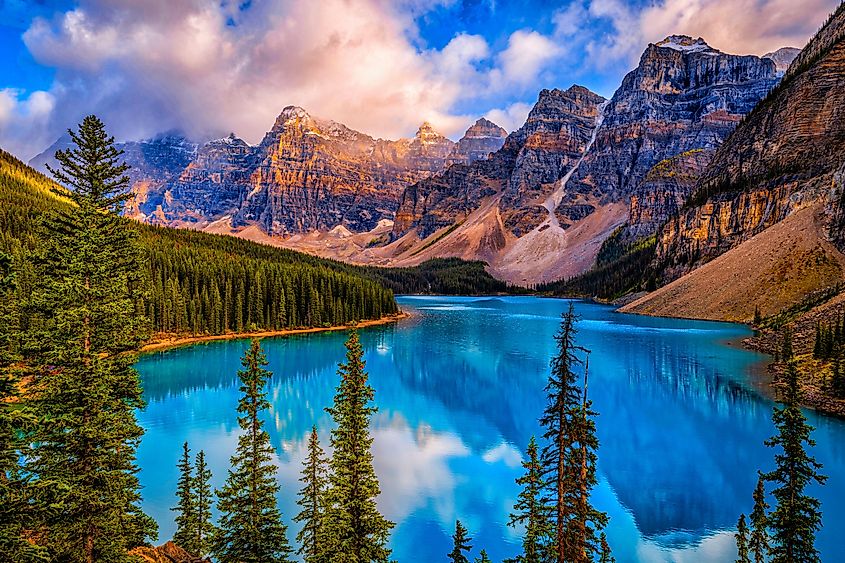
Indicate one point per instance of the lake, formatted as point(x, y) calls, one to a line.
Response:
point(459, 387)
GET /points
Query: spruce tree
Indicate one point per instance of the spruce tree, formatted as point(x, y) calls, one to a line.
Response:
point(531, 511)
point(85, 330)
point(353, 529)
point(186, 517)
point(203, 502)
point(741, 536)
point(796, 516)
point(250, 528)
point(758, 542)
point(569, 456)
point(605, 556)
point(311, 500)
point(460, 544)
point(483, 557)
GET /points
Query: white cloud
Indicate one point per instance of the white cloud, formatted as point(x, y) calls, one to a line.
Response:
point(24, 120)
point(511, 117)
point(205, 67)
point(738, 26)
point(209, 67)
point(526, 55)
point(733, 26)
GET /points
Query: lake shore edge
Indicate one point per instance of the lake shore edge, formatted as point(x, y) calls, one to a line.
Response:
point(812, 397)
point(158, 345)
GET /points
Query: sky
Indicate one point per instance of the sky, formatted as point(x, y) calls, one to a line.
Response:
point(208, 67)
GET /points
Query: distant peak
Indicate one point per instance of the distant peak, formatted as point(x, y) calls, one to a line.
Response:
point(783, 57)
point(427, 132)
point(483, 127)
point(685, 43)
point(426, 127)
point(293, 112)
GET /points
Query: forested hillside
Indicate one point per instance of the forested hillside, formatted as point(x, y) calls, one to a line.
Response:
point(202, 283)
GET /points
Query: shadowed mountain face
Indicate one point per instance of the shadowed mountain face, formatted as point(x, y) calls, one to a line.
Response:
point(684, 95)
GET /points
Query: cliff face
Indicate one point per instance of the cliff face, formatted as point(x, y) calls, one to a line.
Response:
point(311, 174)
point(683, 96)
point(782, 158)
point(663, 191)
point(580, 166)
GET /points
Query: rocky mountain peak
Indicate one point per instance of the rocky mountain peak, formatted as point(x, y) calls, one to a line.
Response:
point(484, 128)
point(481, 139)
point(293, 116)
point(783, 57)
point(686, 44)
point(229, 140)
point(428, 135)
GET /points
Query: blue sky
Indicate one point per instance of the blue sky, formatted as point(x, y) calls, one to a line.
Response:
point(207, 67)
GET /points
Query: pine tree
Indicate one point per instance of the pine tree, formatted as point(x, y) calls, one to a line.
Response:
point(203, 502)
point(757, 317)
point(250, 528)
point(86, 329)
point(741, 541)
point(758, 542)
point(786, 347)
point(186, 517)
point(569, 457)
point(796, 516)
point(605, 556)
point(311, 500)
point(483, 557)
point(353, 529)
point(460, 544)
point(531, 510)
point(586, 522)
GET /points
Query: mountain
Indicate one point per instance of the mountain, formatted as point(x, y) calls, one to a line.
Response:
point(481, 139)
point(786, 161)
point(307, 174)
point(539, 208)
point(782, 58)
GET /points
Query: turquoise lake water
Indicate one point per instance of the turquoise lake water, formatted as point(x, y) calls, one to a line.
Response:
point(459, 388)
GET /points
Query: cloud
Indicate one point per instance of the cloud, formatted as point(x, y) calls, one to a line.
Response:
point(511, 117)
point(526, 55)
point(25, 120)
point(733, 26)
point(738, 26)
point(207, 67)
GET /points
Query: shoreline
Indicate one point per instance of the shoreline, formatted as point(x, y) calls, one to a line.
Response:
point(178, 341)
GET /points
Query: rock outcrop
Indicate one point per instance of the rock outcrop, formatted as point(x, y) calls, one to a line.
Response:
point(782, 58)
point(663, 191)
point(166, 553)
